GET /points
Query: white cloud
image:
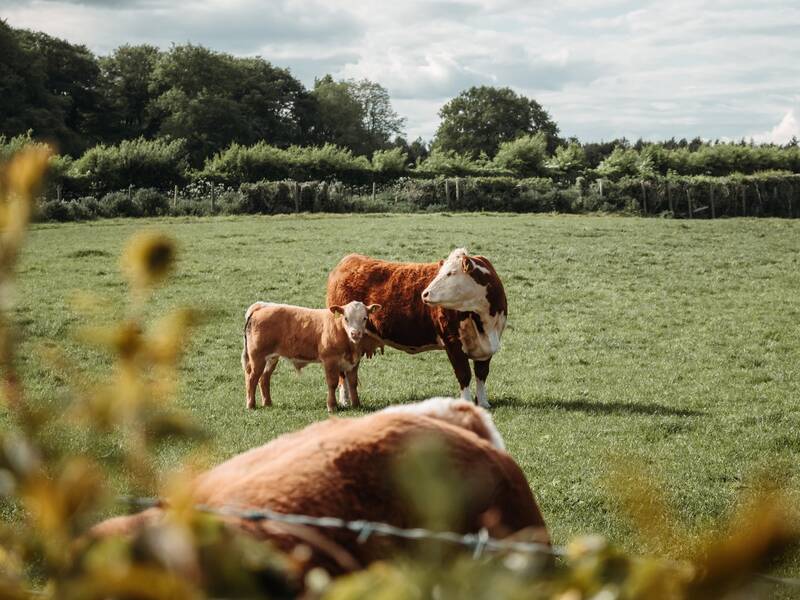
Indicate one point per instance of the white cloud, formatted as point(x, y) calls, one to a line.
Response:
point(783, 132)
point(603, 68)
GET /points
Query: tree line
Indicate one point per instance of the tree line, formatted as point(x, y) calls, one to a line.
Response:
point(151, 118)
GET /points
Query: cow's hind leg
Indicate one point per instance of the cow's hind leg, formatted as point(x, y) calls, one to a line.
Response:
point(344, 390)
point(481, 373)
point(461, 368)
point(264, 382)
point(253, 372)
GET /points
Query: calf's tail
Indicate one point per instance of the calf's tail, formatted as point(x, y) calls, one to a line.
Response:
point(245, 357)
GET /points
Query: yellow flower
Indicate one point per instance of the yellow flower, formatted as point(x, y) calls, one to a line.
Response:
point(148, 258)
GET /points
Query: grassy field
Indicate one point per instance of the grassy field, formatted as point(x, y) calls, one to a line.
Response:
point(669, 344)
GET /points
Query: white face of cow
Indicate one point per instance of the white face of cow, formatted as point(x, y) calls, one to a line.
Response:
point(454, 287)
point(355, 316)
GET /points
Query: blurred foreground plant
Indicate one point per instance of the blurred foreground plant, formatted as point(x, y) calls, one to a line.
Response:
point(60, 493)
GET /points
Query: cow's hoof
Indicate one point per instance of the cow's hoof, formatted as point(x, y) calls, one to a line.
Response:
point(251, 406)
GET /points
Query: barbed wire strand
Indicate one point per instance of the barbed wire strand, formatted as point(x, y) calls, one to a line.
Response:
point(477, 542)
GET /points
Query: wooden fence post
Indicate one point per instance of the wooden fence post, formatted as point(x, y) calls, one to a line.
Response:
point(213, 193)
point(175, 197)
point(130, 192)
point(691, 204)
point(373, 193)
point(296, 196)
point(58, 192)
point(447, 191)
point(458, 193)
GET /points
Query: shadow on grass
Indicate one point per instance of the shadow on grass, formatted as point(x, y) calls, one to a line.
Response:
point(612, 408)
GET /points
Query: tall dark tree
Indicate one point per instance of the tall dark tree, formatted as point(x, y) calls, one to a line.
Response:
point(212, 99)
point(479, 119)
point(49, 86)
point(126, 76)
point(71, 76)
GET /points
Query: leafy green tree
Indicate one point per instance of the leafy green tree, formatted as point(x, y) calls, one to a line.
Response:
point(125, 79)
point(380, 120)
point(211, 99)
point(525, 156)
point(71, 76)
point(481, 118)
point(340, 119)
point(357, 115)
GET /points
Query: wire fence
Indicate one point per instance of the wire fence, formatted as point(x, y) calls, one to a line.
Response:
point(478, 543)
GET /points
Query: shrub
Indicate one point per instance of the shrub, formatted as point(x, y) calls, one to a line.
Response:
point(390, 162)
point(158, 163)
point(267, 197)
point(119, 204)
point(524, 157)
point(150, 202)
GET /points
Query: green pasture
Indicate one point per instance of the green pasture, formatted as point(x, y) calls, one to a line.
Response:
point(673, 346)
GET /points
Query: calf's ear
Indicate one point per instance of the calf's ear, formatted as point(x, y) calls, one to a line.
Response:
point(467, 264)
point(372, 308)
point(337, 310)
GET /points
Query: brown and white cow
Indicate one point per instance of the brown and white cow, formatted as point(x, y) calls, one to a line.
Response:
point(330, 336)
point(342, 468)
point(458, 305)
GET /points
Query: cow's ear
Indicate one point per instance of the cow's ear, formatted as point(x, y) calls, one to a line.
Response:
point(372, 308)
point(467, 264)
point(337, 310)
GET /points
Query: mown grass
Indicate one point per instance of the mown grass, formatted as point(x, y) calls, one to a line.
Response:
point(672, 345)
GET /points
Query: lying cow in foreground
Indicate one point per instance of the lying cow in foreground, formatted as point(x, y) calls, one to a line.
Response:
point(343, 468)
point(458, 305)
point(303, 335)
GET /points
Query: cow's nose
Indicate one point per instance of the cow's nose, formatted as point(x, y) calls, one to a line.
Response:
point(426, 294)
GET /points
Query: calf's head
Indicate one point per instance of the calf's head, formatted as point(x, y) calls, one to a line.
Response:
point(455, 286)
point(355, 316)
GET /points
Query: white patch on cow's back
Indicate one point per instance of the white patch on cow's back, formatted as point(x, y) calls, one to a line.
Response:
point(442, 408)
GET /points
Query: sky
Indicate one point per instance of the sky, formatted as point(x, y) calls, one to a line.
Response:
point(724, 69)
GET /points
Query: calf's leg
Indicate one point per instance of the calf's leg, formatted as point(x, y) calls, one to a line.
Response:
point(460, 364)
point(264, 382)
point(481, 373)
point(352, 385)
point(332, 378)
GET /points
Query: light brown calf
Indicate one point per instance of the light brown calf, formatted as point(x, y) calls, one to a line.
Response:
point(332, 337)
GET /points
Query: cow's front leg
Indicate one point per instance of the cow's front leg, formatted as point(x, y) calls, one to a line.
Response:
point(481, 373)
point(352, 386)
point(460, 364)
point(332, 379)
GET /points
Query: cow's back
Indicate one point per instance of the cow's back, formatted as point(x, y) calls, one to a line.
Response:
point(404, 320)
point(344, 468)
